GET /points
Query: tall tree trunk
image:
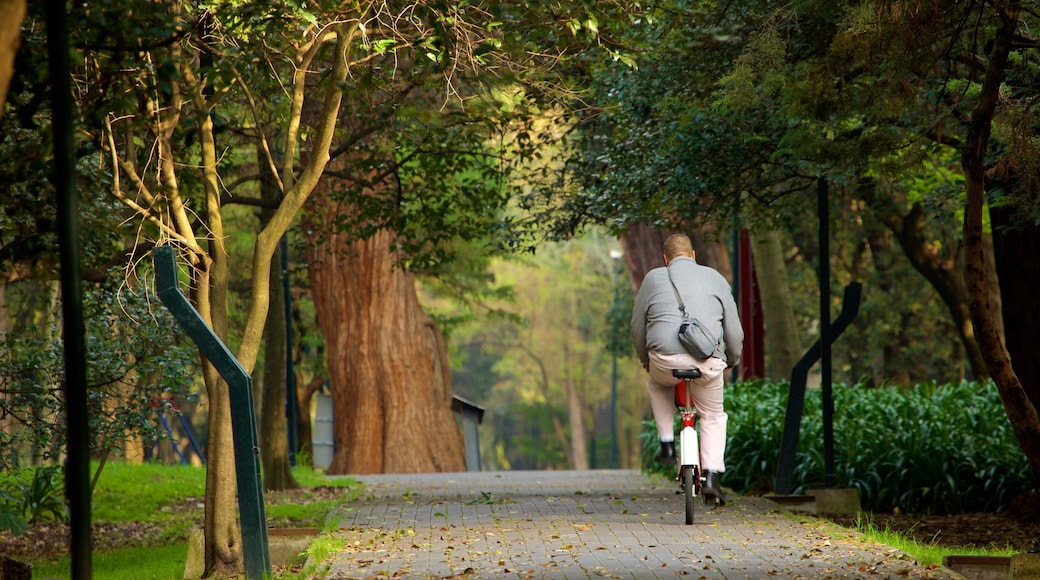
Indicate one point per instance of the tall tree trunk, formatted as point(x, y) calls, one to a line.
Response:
point(1018, 268)
point(996, 300)
point(274, 445)
point(304, 427)
point(273, 435)
point(576, 420)
point(1022, 412)
point(543, 387)
point(224, 557)
point(223, 553)
point(223, 547)
point(643, 248)
point(781, 332)
point(12, 12)
point(387, 361)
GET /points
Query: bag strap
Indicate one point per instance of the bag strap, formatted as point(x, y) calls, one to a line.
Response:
point(678, 298)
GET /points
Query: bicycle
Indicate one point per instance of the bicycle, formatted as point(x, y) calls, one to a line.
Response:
point(688, 460)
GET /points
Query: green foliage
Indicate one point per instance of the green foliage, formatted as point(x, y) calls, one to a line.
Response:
point(43, 496)
point(567, 315)
point(735, 131)
point(929, 449)
point(932, 449)
point(133, 361)
point(318, 554)
point(32, 497)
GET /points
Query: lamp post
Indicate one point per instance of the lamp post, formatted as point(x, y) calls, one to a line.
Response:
point(615, 258)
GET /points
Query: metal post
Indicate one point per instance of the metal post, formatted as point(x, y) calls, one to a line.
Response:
point(826, 386)
point(613, 411)
point(784, 484)
point(615, 259)
point(77, 470)
point(290, 374)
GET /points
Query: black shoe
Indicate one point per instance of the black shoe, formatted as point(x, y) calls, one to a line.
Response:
point(712, 490)
point(666, 456)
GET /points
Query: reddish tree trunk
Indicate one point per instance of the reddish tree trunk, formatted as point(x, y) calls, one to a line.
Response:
point(643, 246)
point(12, 12)
point(387, 361)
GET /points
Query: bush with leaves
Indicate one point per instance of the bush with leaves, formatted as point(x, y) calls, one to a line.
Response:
point(134, 360)
point(32, 497)
point(930, 449)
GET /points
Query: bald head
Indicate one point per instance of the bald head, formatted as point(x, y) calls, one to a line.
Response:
point(677, 245)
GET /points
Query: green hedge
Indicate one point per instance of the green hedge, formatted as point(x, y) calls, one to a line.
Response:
point(930, 449)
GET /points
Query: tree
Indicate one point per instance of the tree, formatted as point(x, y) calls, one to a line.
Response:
point(274, 444)
point(551, 396)
point(202, 79)
point(391, 393)
point(427, 153)
point(954, 106)
point(11, 14)
point(191, 83)
point(182, 82)
point(782, 336)
point(134, 373)
point(879, 99)
point(134, 368)
point(1020, 403)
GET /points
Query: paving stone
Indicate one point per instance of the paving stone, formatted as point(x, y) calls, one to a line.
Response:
point(589, 524)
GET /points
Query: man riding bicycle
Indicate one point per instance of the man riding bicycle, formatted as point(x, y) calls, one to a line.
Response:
point(655, 323)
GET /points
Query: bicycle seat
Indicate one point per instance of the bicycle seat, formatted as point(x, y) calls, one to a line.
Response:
point(686, 373)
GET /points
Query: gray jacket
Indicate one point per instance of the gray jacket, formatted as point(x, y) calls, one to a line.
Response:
point(708, 298)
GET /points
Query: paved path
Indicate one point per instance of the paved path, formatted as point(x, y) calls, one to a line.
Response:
point(588, 524)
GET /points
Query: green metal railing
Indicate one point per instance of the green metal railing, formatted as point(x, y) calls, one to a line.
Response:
point(252, 513)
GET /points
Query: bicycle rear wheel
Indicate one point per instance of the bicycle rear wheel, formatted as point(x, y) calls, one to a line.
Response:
point(689, 477)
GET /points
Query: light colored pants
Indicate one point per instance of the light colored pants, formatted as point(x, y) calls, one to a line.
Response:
point(707, 395)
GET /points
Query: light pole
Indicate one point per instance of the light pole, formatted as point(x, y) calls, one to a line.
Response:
point(615, 258)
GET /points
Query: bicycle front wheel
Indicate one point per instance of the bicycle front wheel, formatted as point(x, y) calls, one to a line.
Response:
point(689, 477)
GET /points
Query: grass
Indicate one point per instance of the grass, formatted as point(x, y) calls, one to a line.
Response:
point(319, 552)
point(149, 493)
point(926, 554)
point(165, 562)
point(158, 494)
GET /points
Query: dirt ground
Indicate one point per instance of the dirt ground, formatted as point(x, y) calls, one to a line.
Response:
point(1017, 528)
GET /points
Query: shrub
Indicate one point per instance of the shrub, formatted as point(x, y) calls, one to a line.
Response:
point(27, 500)
point(134, 362)
point(929, 449)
